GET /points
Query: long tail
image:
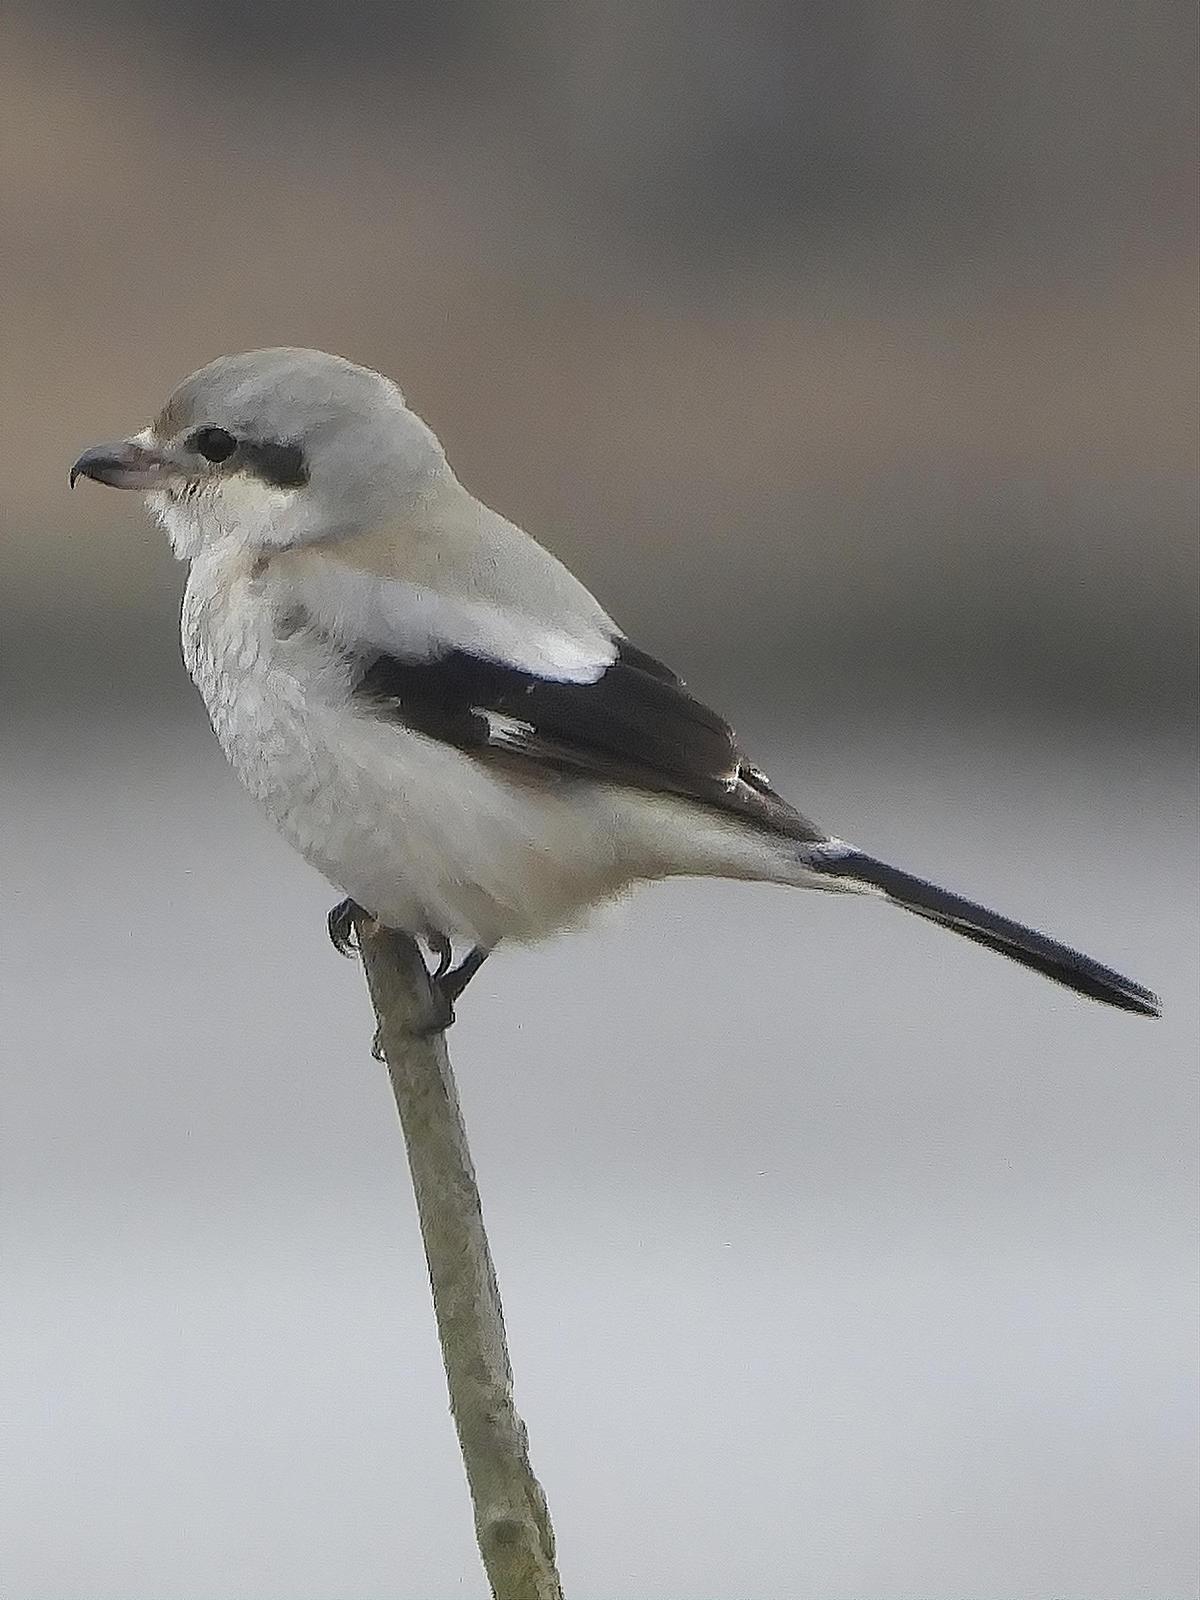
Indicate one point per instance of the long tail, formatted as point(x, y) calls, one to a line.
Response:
point(1012, 939)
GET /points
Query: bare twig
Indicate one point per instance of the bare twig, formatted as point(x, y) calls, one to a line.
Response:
point(512, 1524)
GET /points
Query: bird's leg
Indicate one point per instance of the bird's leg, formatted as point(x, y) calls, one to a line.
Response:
point(448, 983)
point(341, 927)
point(452, 983)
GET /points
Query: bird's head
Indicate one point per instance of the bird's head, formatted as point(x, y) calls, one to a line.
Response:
point(274, 449)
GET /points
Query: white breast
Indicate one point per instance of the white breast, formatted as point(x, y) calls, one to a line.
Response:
point(424, 836)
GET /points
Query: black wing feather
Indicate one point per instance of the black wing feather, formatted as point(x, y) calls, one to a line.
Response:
point(635, 725)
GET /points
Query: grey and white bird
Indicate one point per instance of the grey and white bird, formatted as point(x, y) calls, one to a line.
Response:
point(433, 710)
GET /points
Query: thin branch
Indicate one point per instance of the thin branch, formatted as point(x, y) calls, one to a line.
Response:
point(512, 1524)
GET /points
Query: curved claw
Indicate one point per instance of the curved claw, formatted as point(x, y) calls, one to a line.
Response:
point(446, 984)
point(444, 951)
point(342, 931)
point(451, 984)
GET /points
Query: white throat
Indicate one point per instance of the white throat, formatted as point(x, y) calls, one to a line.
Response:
point(239, 510)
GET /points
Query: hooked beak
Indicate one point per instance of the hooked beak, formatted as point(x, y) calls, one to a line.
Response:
point(129, 464)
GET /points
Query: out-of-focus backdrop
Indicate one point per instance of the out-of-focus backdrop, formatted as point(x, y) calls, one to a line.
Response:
point(849, 351)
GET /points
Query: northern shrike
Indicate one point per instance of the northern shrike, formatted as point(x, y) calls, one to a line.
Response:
point(438, 716)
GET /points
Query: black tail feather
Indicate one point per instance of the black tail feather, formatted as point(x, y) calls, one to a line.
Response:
point(1012, 939)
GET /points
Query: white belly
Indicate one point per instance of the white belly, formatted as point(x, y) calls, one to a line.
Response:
point(422, 835)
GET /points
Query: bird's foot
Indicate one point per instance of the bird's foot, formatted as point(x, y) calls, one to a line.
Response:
point(342, 931)
point(447, 983)
point(438, 1018)
point(453, 981)
point(444, 951)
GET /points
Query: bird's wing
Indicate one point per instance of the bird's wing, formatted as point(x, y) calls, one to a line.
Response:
point(635, 725)
point(467, 630)
point(460, 577)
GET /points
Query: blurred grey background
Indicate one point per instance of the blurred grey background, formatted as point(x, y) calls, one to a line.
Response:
point(849, 351)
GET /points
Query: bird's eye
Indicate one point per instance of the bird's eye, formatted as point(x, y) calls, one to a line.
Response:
point(214, 444)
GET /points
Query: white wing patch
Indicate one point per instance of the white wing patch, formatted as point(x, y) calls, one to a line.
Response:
point(418, 624)
point(506, 733)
